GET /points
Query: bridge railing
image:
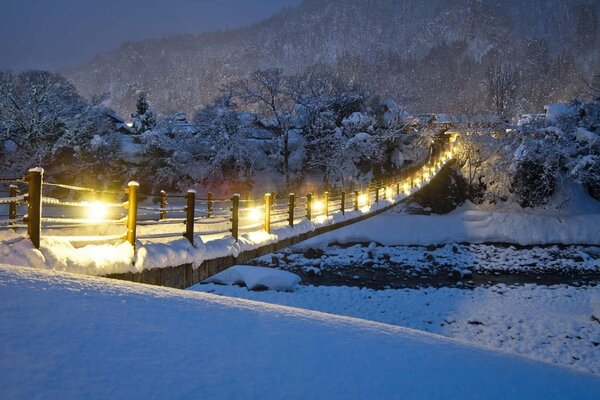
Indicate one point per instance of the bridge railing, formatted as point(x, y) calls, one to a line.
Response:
point(105, 216)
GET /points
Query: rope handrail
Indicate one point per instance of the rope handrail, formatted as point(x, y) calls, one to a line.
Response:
point(159, 209)
point(12, 180)
point(77, 221)
point(204, 221)
point(81, 188)
point(7, 200)
point(56, 202)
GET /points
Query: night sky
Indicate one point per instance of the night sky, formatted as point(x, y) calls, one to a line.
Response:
point(49, 34)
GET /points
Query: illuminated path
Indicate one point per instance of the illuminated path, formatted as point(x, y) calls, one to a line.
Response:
point(259, 243)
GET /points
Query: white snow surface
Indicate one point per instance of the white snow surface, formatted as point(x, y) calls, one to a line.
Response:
point(257, 278)
point(577, 223)
point(66, 336)
point(558, 324)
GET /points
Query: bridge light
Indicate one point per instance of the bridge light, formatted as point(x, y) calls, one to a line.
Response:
point(362, 200)
point(318, 206)
point(255, 214)
point(389, 193)
point(97, 211)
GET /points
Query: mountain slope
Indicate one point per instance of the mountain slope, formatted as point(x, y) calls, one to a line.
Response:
point(432, 55)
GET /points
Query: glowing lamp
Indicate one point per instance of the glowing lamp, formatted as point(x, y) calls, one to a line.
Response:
point(406, 188)
point(362, 200)
point(97, 211)
point(255, 214)
point(318, 206)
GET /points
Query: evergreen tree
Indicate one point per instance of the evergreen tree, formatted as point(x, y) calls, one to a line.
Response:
point(143, 120)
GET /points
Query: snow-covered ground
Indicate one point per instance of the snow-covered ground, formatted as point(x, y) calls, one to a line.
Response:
point(559, 324)
point(64, 336)
point(572, 218)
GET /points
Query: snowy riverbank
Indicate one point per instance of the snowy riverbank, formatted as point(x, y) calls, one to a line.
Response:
point(67, 336)
point(558, 324)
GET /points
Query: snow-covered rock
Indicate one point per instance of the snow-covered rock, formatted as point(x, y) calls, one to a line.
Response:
point(257, 278)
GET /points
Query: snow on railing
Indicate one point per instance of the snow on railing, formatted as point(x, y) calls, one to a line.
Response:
point(207, 216)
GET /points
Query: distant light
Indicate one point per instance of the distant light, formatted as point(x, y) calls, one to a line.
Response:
point(97, 211)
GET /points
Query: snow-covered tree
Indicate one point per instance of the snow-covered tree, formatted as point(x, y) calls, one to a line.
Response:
point(143, 119)
point(36, 109)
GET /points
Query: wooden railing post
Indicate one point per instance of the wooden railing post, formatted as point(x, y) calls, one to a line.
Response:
point(398, 189)
point(356, 195)
point(309, 206)
point(326, 203)
point(209, 204)
point(376, 194)
point(235, 216)
point(268, 212)
point(189, 215)
point(132, 205)
point(34, 208)
point(13, 191)
point(163, 204)
point(343, 205)
point(291, 209)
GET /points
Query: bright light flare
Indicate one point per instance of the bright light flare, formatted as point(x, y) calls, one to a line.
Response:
point(406, 188)
point(97, 211)
point(255, 213)
point(362, 200)
point(318, 206)
point(389, 193)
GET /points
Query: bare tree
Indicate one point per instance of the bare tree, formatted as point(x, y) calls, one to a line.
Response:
point(268, 90)
point(501, 83)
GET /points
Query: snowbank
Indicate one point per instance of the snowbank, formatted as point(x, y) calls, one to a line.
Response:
point(576, 223)
point(257, 278)
point(82, 337)
point(550, 323)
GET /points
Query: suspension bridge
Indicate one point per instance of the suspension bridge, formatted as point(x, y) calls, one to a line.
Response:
point(249, 227)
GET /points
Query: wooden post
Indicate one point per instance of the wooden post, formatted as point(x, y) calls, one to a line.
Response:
point(356, 200)
point(326, 203)
point(291, 209)
point(377, 195)
point(343, 205)
point(189, 215)
point(163, 204)
point(235, 216)
point(309, 206)
point(268, 212)
point(132, 191)
point(13, 191)
point(398, 189)
point(209, 204)
point(34, 208)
